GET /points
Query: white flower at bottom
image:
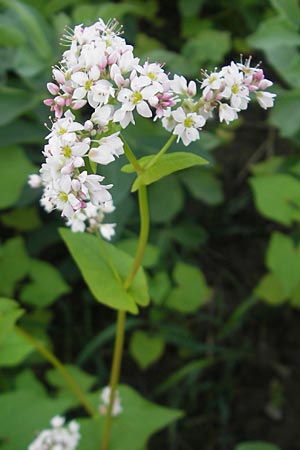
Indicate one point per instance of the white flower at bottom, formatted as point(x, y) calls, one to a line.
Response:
point(60, 437)
point(105, 397)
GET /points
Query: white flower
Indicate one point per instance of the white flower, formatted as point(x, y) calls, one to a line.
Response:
point(60, 437)
point(265, 99)
point(180, 86)
point(212, 81)
point(84, 81)
point(187, 126)
point(235, 89)
point(102, 115)
point(109, 147)
point(35, 181)
point(138, 96)
point(227, 113)
point(100, 93)
point(168, 121)
point(105, 398)
point(107, 230)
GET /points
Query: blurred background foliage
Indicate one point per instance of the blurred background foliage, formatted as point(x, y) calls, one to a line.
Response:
point(219, 340)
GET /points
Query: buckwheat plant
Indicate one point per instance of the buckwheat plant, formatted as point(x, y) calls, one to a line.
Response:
point(98, 89)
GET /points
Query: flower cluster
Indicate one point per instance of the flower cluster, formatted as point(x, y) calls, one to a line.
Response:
point(60, 437)
point(99, 74)
point(230, 88)
point(105, 398)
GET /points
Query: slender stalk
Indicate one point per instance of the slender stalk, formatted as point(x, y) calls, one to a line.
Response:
point(144, 233)
point(114, 375)
point(119, 342)
point(162, 151)
point(130, 156)
point(60, 367)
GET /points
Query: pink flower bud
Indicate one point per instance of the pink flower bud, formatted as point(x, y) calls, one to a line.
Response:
point(259, 75)
point(264, 84)
point(60, 101)
point(192, 88)
point(113, 58)
point(209, 96)
point(53, 88)
point(102, 62)
point(58, 76)
point(48, 101)
point(77, 104)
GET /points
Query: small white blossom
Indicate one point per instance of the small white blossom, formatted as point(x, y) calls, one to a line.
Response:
point(60, 437)
point(265, 99)
point(227, 113)
point(105, 398)
point(188, 125)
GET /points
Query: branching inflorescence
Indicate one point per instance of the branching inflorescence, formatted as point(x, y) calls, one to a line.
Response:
point(100, 75)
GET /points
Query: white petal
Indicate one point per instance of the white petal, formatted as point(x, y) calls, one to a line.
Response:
point(79, 78)
point(143, 109)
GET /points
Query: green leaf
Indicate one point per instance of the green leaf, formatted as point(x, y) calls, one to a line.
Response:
point(46, 285)
point(14, 265)
point(28, 132)
point(287, 105)
point(13, 349)
point(34, 26)
point(191, 291)
point(10, 37)
point(95, 259)
point(203, 185)
point(165, 199)
point(193, 368)
point(256, 445)
point(289, 9)
point(33, 404)
point(132, 429)
point(268, 167)
point(146, 349)
point(283, 259)
point(270, 289)
point(86, 13)
point(237, 317)
point(159, 287)
point(130, 246)
point(174, 62)
point(83, 379)
point(189, 8)
point(165, 165)
point(9, 313)
point(277, 197)
point(207, 47)
point(274, 32)
point(15, 170)
point(14, 102)
point(22, 219)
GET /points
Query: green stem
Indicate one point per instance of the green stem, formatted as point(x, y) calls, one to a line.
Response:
point(115, 375)
point(118, 348)
point(130, 156)
point(144, 233)
point(60, 367)
point(162, 151)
